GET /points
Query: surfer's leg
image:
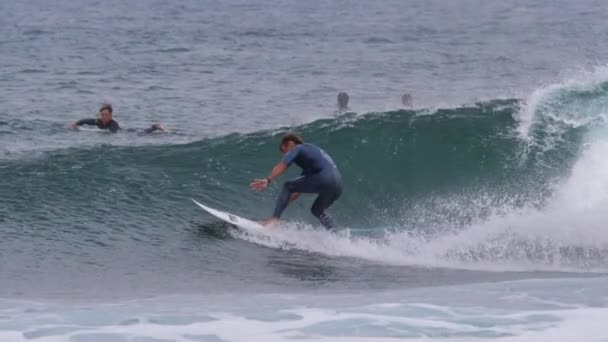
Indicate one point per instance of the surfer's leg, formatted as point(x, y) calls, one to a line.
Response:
point(330, 191)
point(303, 184)
point(282, 202)
point(319, 207)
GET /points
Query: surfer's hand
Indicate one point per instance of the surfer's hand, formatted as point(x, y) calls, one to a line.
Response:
point(73, 125)
point(259, 184)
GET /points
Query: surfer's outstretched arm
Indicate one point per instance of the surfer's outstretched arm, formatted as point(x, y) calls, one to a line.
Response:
point(261, 184)
point(290, 155)
point(90, 122)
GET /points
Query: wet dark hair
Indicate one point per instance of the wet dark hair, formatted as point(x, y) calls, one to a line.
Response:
point(106, 106)
point(406, 99)
point(291, 137)
point(343, 100)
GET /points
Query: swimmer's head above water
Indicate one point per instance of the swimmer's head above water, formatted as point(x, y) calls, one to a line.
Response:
point(343, 101)
point(105, 113)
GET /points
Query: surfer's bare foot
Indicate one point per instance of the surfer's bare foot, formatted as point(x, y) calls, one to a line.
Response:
point(270, 222)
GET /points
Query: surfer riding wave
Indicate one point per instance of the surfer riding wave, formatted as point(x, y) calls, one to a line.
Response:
point(320, 175)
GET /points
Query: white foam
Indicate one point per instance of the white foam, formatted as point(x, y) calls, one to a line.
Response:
point(520, 240)
point(545, 102)
point(527, 239)
point(568, 234)
point(450, 313)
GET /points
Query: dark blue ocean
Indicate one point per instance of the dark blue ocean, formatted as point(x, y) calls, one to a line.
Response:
point(475, 213)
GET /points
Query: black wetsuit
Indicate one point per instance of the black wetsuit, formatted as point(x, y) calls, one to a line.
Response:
point(112, 125)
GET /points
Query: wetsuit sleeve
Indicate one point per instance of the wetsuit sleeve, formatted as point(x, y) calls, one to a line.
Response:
point(91, 122)
point(291, 156)
point(113, 127)
point(151, 129)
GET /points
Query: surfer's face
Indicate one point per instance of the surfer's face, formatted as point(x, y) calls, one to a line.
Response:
point(106, 116)
point(288, 146)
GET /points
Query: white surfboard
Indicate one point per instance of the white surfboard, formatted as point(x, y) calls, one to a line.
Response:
point(92, 129)
point(243, 223)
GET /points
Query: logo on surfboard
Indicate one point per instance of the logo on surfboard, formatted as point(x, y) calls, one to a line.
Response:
point(233, 218)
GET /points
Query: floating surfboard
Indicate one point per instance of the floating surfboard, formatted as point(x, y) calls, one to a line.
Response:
point(92, 129)
point(243, 223)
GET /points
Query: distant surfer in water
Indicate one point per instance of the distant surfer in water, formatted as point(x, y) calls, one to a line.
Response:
point(407, 101)
point(320, 175)
point(342, 103)
point(105, 121)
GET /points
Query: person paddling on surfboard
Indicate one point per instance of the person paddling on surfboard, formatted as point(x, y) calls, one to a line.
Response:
point(105, 121)
point(320, 175)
